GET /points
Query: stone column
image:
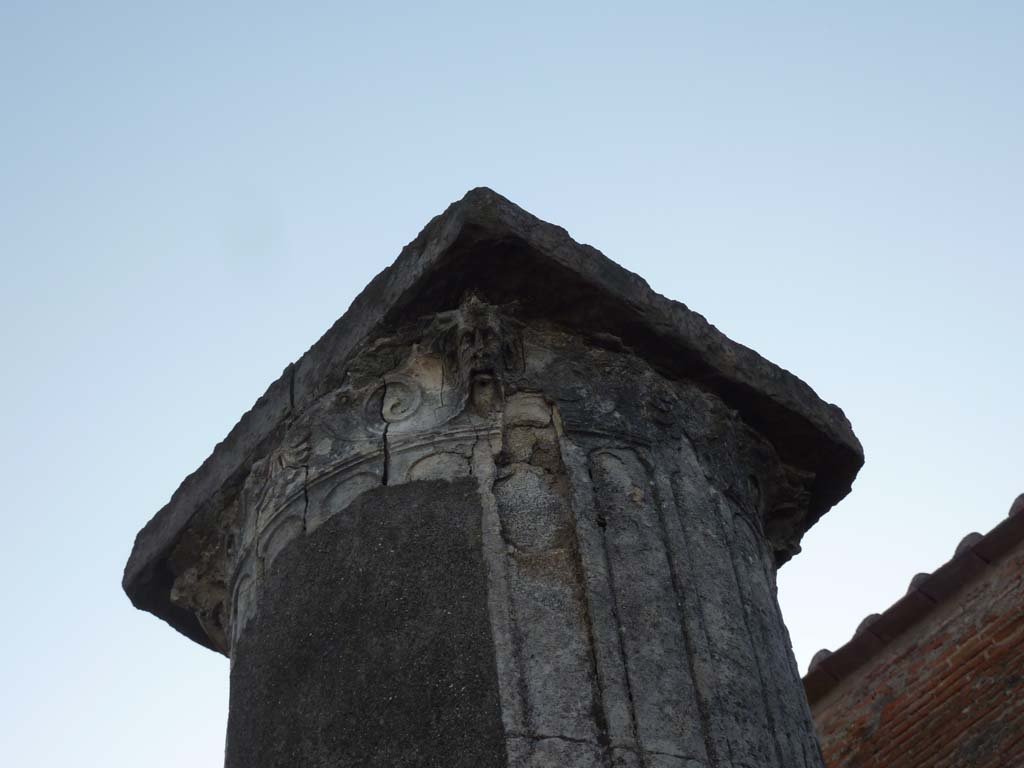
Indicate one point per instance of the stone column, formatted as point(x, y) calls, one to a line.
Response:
point(520, 519)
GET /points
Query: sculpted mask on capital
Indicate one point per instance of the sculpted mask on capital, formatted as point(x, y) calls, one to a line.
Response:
point(480, 346)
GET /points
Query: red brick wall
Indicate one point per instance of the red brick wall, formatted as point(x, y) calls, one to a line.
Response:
point(948, 693)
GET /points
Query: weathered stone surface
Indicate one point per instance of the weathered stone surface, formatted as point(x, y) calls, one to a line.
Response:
point(373, 645)
point(519, 509)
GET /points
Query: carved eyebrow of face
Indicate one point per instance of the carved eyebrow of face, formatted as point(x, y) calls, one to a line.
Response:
point(475, 336)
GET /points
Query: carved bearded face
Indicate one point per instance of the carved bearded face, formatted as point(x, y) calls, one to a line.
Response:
point(480, 358)
point(479, 347)
point(479, 350)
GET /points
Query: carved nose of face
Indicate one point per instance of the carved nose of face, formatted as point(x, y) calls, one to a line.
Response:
point(476, 339)
point(479, 350)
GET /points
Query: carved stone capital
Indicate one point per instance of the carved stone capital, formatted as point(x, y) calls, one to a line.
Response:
point(513, 510)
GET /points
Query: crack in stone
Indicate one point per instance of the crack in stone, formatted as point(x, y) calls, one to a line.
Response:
point(441, 393)
point(387, 457)
point(477, 433)
point(537, 737)
point(387, 425)
point(305, 498)
point(627, 678)
point(547, 737)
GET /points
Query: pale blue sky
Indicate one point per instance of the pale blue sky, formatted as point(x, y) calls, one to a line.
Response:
point(189, 196)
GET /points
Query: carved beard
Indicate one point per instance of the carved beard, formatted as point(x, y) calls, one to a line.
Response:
point(481, 365)
point(479, 352)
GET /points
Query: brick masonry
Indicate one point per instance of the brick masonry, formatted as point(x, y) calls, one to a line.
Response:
point(948, 690)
